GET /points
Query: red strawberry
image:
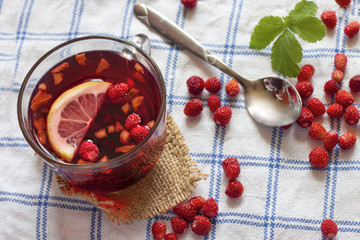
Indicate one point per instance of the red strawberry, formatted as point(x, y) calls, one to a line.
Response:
point(337, 75)
point(351, 115)
point(213, 103)
point(340, 61)
point(196, 202)
point(344, 98)
point(232, 171)
point(286, 126)
point(213, 85)
point(138, 133)
point(335, 110)
point(232, 88)
point(179, 225)
point(193, 108)
point(354, 83)
point(330, 140)
point(318, 157)
point(185, 211)
point(201, 225)
point(132, 121)
point(347, 141)
point(304, 88)
point(210, 208)
point(343, 3)
point(317, 131)
point(329, 228)
point(306, 73)
point(189, 3)
point(352, 29)
point(228, 161)
point(195, 85)
point(158, 230)
point(306, 118)
point(315, 106)
point(222, 115)
point(329, 19)
point(116, 92)
point(331, 87)
point(170, 236)
point(234, 189)
point(88, 151)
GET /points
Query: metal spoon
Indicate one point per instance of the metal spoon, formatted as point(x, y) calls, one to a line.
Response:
point(270, 101)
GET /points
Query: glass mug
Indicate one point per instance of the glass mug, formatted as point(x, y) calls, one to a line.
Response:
point(116, 173)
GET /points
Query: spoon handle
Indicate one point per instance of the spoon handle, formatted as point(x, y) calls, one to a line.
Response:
point(172, 32)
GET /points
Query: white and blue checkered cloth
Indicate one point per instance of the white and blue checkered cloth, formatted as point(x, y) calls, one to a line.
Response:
point(284, 197)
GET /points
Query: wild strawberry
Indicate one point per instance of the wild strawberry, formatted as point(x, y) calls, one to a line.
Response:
point(337, 75)
point(315, 106)
point(185, 211)
point(335, 110)
point(196, 202)
point(286, 126)
point(158, 230)
point(352, 29)
point(340, 61)
point(304, 88)
point(351, 115)
point(232, 171)
point(306, 118)
point(195, 85)
point(344, 98)
point(330, 140)
point(193, 108)
point(201, 225)
point(170, 236)
point(329, 228)
point(318, 157)
point(222, 115)
point(331, 87)
point(210, 208)
point(228, 161)
point(213, 103)
point(232, 88)
point(132, 121)
point(88, 151)
point(354, 83)
point(116, 92)
point(347, 141)
point(189, 3)
point(343, 3)
point(306, 73)
point(234, 189)
point(138, 133)
point(329, 19)
point(213, 85)
point(179, 225)
point(317, 131)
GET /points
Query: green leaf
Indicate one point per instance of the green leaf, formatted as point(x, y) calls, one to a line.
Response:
point(266, 31)
point(303, 9)
point(286, 54)
point(309, 29)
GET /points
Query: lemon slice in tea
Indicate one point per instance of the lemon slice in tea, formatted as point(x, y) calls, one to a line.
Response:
point(71, 115)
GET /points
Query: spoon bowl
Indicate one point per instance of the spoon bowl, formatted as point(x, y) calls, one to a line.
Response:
point(270, 101)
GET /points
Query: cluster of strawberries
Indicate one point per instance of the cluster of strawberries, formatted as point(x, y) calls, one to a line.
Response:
point(189, 212)
point(194, 107)
point(329, 19)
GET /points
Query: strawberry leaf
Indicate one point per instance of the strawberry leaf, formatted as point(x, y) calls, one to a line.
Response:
point(309, 29)
point(303, 9)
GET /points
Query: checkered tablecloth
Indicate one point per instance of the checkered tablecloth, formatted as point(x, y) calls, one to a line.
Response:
point(284, 197)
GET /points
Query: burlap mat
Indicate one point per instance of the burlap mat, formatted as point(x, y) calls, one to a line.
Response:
point(171, 181)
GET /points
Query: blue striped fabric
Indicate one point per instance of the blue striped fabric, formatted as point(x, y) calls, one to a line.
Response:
point(284, 198)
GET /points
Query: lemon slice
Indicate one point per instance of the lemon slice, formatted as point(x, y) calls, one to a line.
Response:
point(71, 114)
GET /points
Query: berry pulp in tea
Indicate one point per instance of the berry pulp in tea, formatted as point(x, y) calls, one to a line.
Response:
point(107, 128)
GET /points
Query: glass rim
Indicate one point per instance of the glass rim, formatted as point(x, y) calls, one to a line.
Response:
point(87, 167)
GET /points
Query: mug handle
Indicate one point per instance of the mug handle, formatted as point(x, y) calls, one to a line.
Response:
point(142, 41)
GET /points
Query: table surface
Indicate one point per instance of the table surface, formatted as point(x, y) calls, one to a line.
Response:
point(284, 198)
